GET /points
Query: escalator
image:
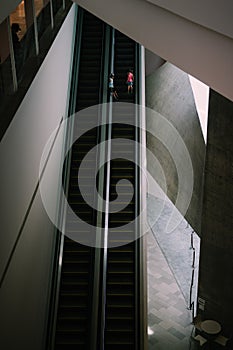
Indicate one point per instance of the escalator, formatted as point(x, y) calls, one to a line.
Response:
point(108, 319)
point(75, 299)
point(122, 290)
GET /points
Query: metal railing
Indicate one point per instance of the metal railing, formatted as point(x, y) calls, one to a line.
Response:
point(14, 67)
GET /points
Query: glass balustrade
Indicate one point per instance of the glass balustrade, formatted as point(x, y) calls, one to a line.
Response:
point(20, 39)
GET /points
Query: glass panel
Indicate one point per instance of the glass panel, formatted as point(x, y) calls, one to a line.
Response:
point(39, 4)
point(6, 81)
point(18, 30)
point(57, 4)
point(43, 20)
point(18, 16)
point(27, 47)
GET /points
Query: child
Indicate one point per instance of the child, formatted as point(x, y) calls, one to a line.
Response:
point(111, 86)
point(130, 80)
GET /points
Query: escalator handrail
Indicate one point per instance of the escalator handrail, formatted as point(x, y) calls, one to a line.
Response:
point(142, 267)
point(137, 205)
point(97, 297)
point(107, 195)
point(59, 244)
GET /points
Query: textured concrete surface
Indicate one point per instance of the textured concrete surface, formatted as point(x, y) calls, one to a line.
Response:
point(216, 265)
point(169, 93)
point(152, 62)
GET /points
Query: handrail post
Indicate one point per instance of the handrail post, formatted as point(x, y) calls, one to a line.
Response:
point(35, 28)
point(51, 14)
point(12, 57)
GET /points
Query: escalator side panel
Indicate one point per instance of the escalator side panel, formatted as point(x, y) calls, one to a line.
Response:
point(74, 310)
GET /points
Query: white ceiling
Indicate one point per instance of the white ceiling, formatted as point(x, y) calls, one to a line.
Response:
point(213, 14)
point(196, 49)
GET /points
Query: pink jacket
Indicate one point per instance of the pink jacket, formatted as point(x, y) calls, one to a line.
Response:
point(130, 77)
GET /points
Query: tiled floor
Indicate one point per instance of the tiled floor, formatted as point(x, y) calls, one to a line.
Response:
point(169, 319)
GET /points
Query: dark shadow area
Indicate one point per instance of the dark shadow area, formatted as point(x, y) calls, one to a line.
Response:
point(27, 62)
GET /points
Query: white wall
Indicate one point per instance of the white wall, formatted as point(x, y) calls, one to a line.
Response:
point(24, 291)
point(197, 50)
point(213, 14)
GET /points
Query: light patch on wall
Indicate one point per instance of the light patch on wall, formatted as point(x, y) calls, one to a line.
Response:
point(201, 97)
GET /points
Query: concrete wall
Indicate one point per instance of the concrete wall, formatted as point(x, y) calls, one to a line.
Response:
point(152, 62)
point(168, 92)
point(216, 264)
point(24, 293)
